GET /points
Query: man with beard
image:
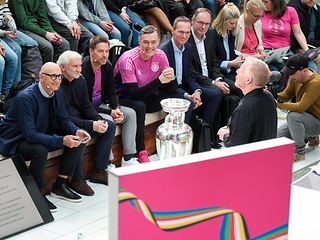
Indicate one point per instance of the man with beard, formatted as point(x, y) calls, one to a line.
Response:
point(98, 73)
point(85, 116)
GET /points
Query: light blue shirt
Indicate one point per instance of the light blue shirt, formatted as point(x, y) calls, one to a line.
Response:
point(178, 60)
point(224, 64)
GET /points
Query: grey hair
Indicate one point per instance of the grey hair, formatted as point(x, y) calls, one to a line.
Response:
point(258, 70)
point(66, 56)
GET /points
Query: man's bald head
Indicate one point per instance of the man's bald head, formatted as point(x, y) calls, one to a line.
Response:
point(50, 67)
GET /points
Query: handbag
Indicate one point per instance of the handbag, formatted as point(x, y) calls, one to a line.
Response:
point(201, 134)
point(139, 6)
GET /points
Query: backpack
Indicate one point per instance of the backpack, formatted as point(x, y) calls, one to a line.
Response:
point(116, 49)
point(31, 63)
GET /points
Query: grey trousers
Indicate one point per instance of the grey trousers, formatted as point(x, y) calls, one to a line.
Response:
point(299, 127)
point(49, 51)
point(129, 128)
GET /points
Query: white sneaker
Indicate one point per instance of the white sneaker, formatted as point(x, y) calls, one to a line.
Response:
point(110, 167)
point(132, 161)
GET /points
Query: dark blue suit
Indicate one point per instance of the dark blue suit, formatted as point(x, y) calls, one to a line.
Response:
point(210, 98)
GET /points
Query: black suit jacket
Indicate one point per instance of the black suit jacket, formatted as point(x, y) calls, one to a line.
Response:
point(213, 69)
point(220, 51)
point(188, 81)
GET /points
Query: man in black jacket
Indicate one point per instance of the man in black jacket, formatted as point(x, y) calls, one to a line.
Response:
point(98, 72)
point(255, 118)
point(84, 115)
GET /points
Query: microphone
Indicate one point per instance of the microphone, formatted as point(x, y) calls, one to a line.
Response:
point(95, 60)
point(47, 87)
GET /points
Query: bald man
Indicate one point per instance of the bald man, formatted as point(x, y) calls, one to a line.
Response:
point(255, 118)
point(36, 123)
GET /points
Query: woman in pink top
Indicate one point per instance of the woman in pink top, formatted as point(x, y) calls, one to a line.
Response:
point(249, 36)
point(277, 23)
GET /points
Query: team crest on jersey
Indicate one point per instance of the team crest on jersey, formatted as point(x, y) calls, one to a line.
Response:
point(155, 67)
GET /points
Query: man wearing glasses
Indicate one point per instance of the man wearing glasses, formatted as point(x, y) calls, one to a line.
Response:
point(36, 123)
point(179, 54)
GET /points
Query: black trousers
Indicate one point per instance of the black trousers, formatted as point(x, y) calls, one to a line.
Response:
point(38, 153)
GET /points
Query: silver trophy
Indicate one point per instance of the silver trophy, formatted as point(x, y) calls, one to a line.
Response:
point(174, 137)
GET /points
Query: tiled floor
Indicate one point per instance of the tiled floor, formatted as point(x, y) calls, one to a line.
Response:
point(88, 220)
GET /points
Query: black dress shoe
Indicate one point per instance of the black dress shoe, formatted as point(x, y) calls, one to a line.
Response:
point(62, 191)
point(51, 206)
point(215, 145)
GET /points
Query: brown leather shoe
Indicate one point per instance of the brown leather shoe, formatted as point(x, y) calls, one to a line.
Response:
point(313, 141)
point(80, 185)
point(99, 176)
point(298, 157)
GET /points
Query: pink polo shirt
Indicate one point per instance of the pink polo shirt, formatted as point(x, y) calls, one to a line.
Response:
point(134, 69)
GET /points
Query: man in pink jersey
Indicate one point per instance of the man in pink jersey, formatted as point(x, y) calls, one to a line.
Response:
point(144, 78)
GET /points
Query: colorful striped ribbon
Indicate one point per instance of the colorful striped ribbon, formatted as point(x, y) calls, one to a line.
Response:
point(233, 225)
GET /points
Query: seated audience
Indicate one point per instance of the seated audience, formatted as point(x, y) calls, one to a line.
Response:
point(84, 115)
point(255, 118)
point(178, 53)
point(36, 123)
point(95, 17)
point(278, 21)
point(249, 30)
point(12, 41)
point(127, 21)
point(32, 19)
point(63, 16)
point(98, 72)
point(182, 7)
point(145, 78)
point(304, 111)
point(224, 31)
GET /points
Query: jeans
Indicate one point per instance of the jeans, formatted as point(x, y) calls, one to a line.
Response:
point(124, 27)
point(24, 41)
point(11, 63)
point(299, 126)
point(97, 30)
point(211, 5)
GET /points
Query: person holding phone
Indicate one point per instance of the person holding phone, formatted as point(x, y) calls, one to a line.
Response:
point(36, 123)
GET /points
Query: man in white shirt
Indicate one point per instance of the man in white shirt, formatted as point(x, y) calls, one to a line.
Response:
point(63, 16)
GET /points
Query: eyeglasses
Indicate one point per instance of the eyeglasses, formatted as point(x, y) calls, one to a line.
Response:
point(181, 33)
point(202, 23)
point(53, 76)
point(253, 15)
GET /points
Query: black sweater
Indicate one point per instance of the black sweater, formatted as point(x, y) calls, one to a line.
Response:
point(81, 110)
point(255, 119)
point(108, 94)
